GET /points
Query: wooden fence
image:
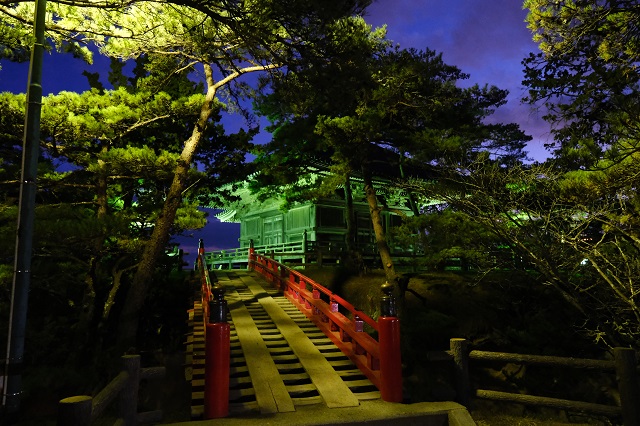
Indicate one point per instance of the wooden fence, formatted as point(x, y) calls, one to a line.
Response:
point(624, 364)
point(82, 410)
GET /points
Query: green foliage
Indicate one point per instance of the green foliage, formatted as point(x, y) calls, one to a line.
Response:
point(15, 40)
point(577, 230)
point(11, 125)
point(93, 119)
point(587, 77)
point(454, 234)
point(340, 113)
point(189, 217)
point(406, 100)
point(413, 105)
point(300, 97)
point(610, 26)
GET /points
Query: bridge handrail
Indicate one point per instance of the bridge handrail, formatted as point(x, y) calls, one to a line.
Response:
point(320, 288)
point(205, 281)
point(382, 365)
point(295, 247)
point(333, 296)
point(280, 248)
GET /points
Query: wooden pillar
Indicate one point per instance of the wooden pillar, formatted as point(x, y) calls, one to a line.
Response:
point(128, 398)
point(75, 410)
point(217, 364)
point(625, 360)
point(460, 351)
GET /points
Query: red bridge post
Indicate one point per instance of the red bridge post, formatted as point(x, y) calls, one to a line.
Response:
point(217, 344)
point(389, 339)
point(217, 358)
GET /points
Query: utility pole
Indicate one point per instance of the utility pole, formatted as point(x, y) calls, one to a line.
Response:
point(24, 235)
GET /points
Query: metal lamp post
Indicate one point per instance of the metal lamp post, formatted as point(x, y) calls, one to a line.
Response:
point(24, 234)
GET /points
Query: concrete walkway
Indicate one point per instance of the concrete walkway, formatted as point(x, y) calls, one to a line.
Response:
point(374, 412)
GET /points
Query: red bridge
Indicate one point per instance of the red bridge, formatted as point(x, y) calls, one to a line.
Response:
point(270, 343)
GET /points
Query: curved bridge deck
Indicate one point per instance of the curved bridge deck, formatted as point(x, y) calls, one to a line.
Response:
point(282, 363)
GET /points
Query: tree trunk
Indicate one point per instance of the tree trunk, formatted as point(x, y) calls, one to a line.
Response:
point(116, 278)
point(353, 257)
point(378, 229)
point(91, 280)
point(412, 201)
point(350, 237)
point(137, 293)
point(400, 282)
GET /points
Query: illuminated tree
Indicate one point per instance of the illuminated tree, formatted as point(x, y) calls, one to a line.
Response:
point(576, 231)
point(587, 76)
point(221, 41)
point(116, 152)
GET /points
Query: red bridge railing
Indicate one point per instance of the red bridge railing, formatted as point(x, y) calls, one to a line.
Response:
point(378, 359)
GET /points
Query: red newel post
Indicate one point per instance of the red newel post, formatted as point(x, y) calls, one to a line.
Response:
point(217, 358)
point(333, 308)
point(252, 256)
point(292, 279)
point(389, 339)
point(316, 295)
point(200, 247)
point(358, 324)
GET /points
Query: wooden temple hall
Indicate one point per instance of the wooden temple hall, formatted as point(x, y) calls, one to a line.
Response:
point(310, 232)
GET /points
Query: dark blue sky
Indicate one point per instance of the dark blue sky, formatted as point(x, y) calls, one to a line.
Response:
point(486, 39)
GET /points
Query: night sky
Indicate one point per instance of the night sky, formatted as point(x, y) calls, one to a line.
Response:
point(486, 39)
